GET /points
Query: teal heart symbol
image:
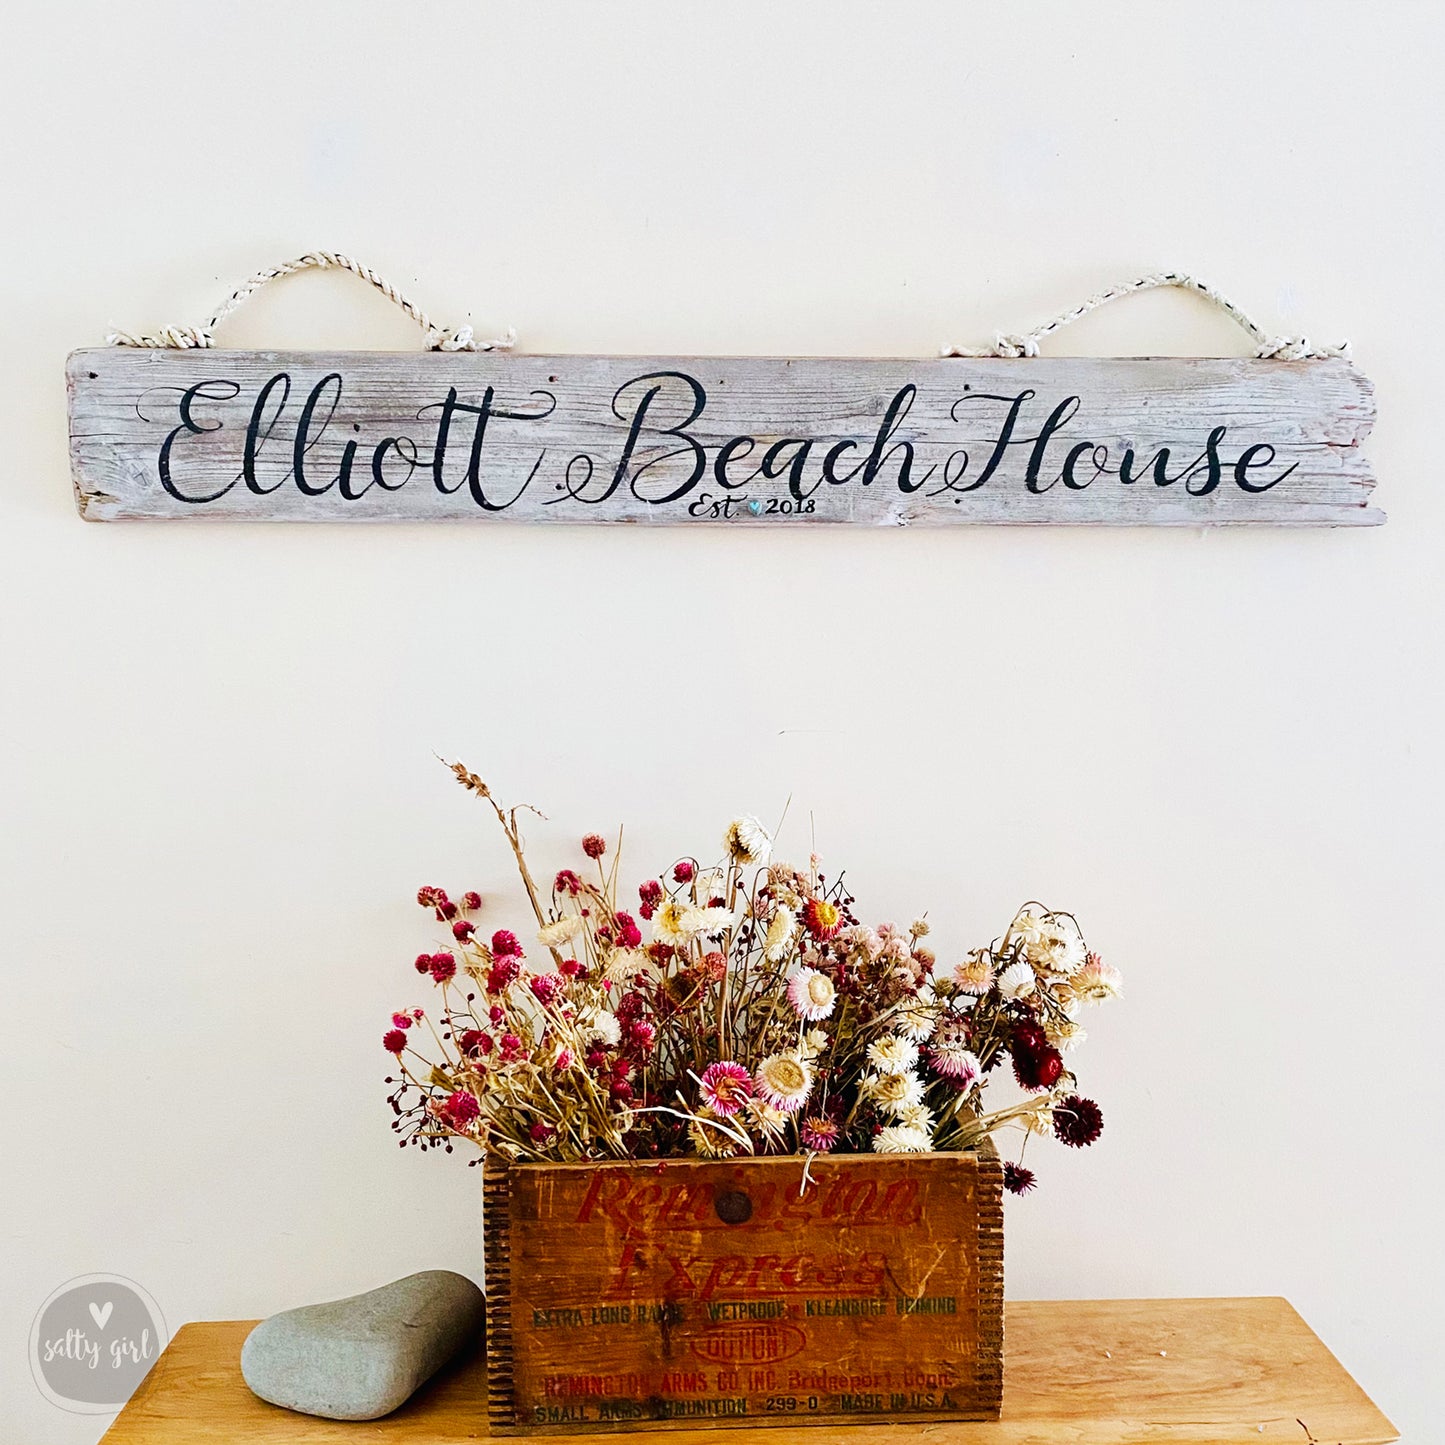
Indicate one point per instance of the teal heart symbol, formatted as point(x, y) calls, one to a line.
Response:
point(755, 507)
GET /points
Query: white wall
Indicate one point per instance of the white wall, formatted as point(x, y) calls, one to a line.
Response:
point(1221, 749)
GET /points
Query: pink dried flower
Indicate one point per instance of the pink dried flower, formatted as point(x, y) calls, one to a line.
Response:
point(650, 894)
point(430, 897)
point(460, 1109)
point(423, 963)
point(505, 944)
point(629, 935)
point(726, 1086)
point(567, 882)
point(496, 1013)
point(502, 974)
point(565, 1059)
point(682, 872)
point(539, 1132)
point(394, 1041)
point(443, 967)
point(474, 1041)
point(570, 967)
point(594, 845)
point(463, 929)
point(401, 1021)
point(511, 1047)
point(471, 900)
point(546, 987)
point(643, 1033)
point(819, 1132)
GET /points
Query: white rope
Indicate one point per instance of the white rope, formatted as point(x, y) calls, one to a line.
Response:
point(439, 338)
point(1267, 347)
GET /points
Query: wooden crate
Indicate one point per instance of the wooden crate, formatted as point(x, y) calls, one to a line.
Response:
point(633, 1296)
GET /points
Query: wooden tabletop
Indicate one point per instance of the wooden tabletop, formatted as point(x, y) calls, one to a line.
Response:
point(1090, 1372)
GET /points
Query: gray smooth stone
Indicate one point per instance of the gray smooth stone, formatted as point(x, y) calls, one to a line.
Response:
point(360, 1358)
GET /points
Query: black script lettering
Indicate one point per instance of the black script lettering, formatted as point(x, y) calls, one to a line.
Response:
point(214, 390)
point(625, 471)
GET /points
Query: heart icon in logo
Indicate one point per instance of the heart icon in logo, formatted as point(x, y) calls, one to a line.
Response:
point(101, 1313)
point(755, 507)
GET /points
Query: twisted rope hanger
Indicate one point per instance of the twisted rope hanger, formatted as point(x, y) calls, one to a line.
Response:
point(439, 338)
point(1267, 347)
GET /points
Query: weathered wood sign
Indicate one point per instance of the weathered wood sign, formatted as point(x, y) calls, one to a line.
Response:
point(623, 1296)
point(377, 437)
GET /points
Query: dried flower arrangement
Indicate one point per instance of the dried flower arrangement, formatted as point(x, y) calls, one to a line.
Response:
point(760, 1018)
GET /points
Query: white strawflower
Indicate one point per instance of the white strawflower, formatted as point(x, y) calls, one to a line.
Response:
point(917, 1017)
point(895, 1091)
point(709, 885)
point(562, 930)
point(626, 963)
point(1060, 948)
point(677, 922)
point(600, 1026)
point(715, 920)
point(1065, 1036)
point(917, 1116)
point(1017, 980)
point(814, 1042)
point(747, 842)
point(781, 933)
point(902, 1139)
point(811, 994)
point(784, 1081)
point(892, 1054)
point(1097, 980)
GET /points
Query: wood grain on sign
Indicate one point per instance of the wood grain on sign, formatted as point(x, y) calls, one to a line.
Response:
point(384, 437)
point(625, 1296)
point(1077, 1372)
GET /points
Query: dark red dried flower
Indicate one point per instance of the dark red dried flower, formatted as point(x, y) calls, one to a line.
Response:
point(1017, 1179)
point(394, 1041)
point(423, 963)
point(443, 967)
point(1038, 1068)
point(567, 882)
point(472, 1041)
point(621, 1090)
point(471, 899)
point(447, 910)
point(496, 1013)
point(460, 1109)
point(650, 892)
point(1078, 1121)
point(629, 935)
point(539, 1132)
point(506, 944)
point(594, 845)
point(569, 968)
point(511, 1047)
point(1029, 1037)
point(463, 929)
point(430, 897)
point(682, 872)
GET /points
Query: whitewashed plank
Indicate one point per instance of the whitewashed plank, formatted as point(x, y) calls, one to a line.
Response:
point(586, 439)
